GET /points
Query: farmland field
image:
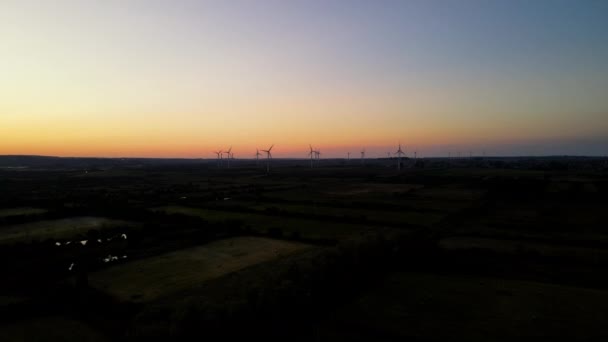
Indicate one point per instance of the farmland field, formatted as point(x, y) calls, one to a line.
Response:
point(306, 228)
point(21, 211)
point(56, 229)
point(54, 328)
point(147, 279)
point(515, 247)
point(411, 306)
point(464, 249)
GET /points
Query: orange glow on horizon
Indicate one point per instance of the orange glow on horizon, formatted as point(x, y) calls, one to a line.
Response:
point(102, 79)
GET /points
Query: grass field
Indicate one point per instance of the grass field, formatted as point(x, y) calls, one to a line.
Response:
point(55, 229)
point(393, 217)
point(412, 306)
point(445, 199)
point(147, 279)
point(370, 188)
point(388, 216)
point(51, 329)
point(10, 300)
point(21, 211)
point(518, 247)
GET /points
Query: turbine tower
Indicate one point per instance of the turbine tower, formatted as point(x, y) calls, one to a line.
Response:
point(219, 158)
point(257, 157)
point(399, 154)
point(229, 155)
point(268, 157)
point(311, 154)
point(363, 156)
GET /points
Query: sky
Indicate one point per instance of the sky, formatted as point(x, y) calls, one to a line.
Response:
point(130, 78)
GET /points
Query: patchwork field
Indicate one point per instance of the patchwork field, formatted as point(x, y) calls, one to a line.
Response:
point(150, 278)
point(469, 249)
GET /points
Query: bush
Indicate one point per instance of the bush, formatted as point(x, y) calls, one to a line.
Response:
point(275, 232)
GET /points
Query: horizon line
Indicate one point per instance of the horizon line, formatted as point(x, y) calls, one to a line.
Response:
point(306, 158)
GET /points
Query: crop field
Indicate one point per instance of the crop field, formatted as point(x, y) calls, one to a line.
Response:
point(150, 278)
point(412, 306)
point(56, 229)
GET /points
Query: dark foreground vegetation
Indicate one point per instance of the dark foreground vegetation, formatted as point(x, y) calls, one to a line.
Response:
point(471, 249)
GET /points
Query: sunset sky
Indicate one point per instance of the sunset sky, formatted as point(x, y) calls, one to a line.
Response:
point(183, 78)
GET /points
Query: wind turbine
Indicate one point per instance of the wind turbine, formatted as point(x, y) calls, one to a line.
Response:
point(348, 157)
point(399, 154)
point(228, 153)
point(268, 157)
point(219, 158)
point(311, 154)
point(363, 156)
point(257, 156)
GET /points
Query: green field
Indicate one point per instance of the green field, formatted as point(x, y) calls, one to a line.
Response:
point(441, 199)
point(51, 329)
point(21, 211)
point(446, 308)
point(378, 216)
point(391, 217)
point(150, 278)
point(519, 247)
point(56, 229)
